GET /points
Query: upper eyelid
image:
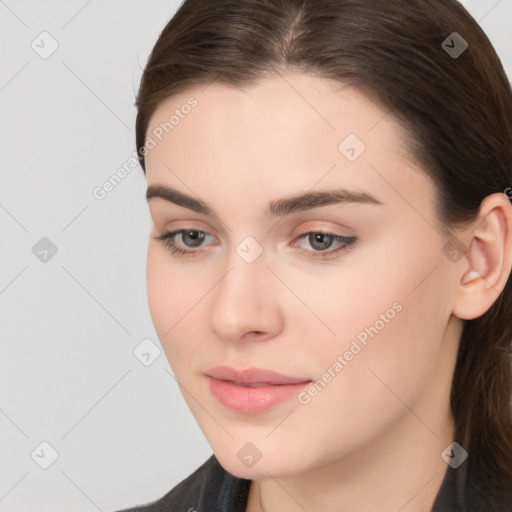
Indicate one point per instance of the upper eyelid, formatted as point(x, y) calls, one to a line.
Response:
point(190, 226)
point(302, 231)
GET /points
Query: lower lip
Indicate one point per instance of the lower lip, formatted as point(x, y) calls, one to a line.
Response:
point(253, 400)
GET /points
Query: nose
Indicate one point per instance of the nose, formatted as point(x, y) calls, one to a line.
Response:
point(245, 304)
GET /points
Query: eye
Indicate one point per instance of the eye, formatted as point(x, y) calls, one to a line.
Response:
point(319, 240)
point(194, 236)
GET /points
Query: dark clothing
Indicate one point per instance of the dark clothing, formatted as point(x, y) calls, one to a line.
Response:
point(210, 488)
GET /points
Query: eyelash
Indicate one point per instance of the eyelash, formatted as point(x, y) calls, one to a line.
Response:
point(167, 240)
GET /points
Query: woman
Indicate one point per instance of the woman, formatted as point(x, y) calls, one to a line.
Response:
point(328, 269)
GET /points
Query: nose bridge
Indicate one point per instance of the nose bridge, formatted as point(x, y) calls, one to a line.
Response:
point(243, 301)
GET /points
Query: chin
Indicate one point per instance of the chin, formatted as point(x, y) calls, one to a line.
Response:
point(274, 465)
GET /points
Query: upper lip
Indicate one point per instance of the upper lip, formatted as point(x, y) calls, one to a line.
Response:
point(252, 376)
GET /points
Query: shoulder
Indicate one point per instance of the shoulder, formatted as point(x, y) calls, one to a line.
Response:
point(209, 488)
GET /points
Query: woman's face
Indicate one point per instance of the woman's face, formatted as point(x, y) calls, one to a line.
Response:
point(365, 317)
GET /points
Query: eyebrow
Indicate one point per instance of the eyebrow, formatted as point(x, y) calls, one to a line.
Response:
point(275, 208)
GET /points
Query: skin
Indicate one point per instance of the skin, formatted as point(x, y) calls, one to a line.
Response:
point(372, 438)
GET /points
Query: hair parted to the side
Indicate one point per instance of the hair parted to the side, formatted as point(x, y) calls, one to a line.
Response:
point(457, 117)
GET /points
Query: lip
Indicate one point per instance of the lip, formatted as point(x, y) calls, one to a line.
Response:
point(230, 387)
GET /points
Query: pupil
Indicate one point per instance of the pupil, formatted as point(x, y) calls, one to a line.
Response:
point(319, 237)
point(195, 236)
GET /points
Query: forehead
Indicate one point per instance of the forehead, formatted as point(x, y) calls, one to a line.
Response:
point(274, 101)
point(282, 107)
point(281, 134)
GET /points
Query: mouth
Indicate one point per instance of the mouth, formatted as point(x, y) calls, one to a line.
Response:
point(256, 385)
point(254, 377)
point(254, 390)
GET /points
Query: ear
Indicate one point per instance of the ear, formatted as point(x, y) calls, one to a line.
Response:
point(488, 260)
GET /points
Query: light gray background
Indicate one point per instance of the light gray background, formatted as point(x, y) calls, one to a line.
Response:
point(69, 326)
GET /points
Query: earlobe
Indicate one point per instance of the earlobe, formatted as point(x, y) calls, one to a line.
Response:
point(489, 256)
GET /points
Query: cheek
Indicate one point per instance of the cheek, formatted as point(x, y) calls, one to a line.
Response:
point(382, 380)
point(339, 300)
point(173, 298)
point(387, 289)
point(159, 289)
point(388, 314)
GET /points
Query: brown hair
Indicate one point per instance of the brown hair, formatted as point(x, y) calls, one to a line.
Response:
point(457, 113)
